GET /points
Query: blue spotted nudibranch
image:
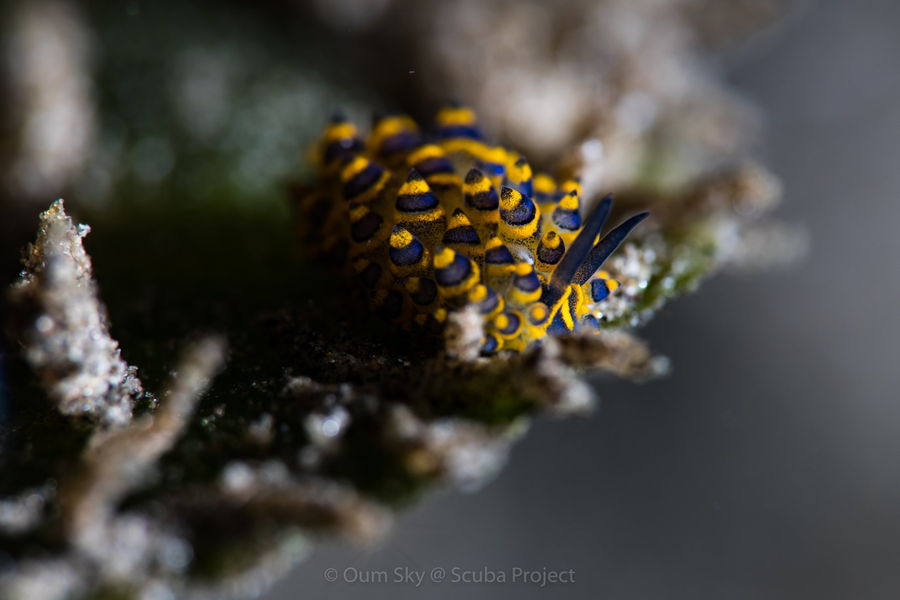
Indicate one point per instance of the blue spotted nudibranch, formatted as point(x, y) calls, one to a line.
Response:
point(430, 224)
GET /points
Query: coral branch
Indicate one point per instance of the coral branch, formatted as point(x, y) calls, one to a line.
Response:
point(65, 334)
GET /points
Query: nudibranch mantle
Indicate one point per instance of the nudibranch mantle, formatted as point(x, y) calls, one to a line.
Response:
point(428, 225)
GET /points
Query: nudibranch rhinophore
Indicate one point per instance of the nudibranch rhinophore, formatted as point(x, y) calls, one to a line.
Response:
point(430, 224)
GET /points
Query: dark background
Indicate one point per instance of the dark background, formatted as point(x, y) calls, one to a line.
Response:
point(766, 465)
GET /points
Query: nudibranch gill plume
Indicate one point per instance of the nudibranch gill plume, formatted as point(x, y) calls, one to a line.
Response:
point(431, 224)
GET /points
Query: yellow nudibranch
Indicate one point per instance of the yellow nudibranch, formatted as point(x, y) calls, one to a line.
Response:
point(429, 224)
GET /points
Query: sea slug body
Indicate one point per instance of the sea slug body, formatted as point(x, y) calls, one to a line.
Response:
point(430, 224)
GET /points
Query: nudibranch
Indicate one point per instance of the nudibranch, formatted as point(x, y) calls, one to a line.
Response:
point(430, 224)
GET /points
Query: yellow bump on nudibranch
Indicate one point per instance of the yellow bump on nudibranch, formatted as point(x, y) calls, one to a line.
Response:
point(520, 175)
point(458, 130)
point(337, 144)
point(599, 287)
point(432, 162)
point(493, 159)
point(538, 313)
point(526, 286)
point(458, 219)
point(339, 131)
point(472, 147)
point(362, 180)
point(566, 218)
point(414, 185)
point(424, 152)
point(509, 326)
point(353, 168)
point(462, 236)
point(549, 252)
point(537, 320)
point(498, 260)
point(455, 273)
point(407, 255)
point(488, 301)
point(569, 201)
point(444, 258)
point(481, 199)
point(400, 237)
point(491, 154)
point(455, 115)
point(552, 241)
point(444, 180)
point(478, 293)
point(422, 291)
point(544, 184)
point(519, 216)
point(357, 212)
point(544, 192)
point(368, 231)
point(388, 127)
point(570, 185)
point(477, 183)
point(419, 209)
point(519, 171)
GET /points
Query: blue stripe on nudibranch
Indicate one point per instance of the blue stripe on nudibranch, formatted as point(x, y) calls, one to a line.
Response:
point(547, 253)
point(363, 180)
point(599, 290)
point(461, 235)
point(479, 193)
point(569, 220)
point(406, 255)
point(524, 211)
point(471, 132)
point(455, 273)
point(520, 177)
point(425, 292)
point(433, 165)
point(399, 143)
point(590, 322)
point(490, 345)
point(342, 149)
point(417, 202)
point(510, 323)
point(527, 282)
point(413, 203)
point(366, 227)
point(492, 168)
point(489, 303)
point(499, 256)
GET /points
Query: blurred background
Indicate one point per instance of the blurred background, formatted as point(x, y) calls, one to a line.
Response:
point(765, 466)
